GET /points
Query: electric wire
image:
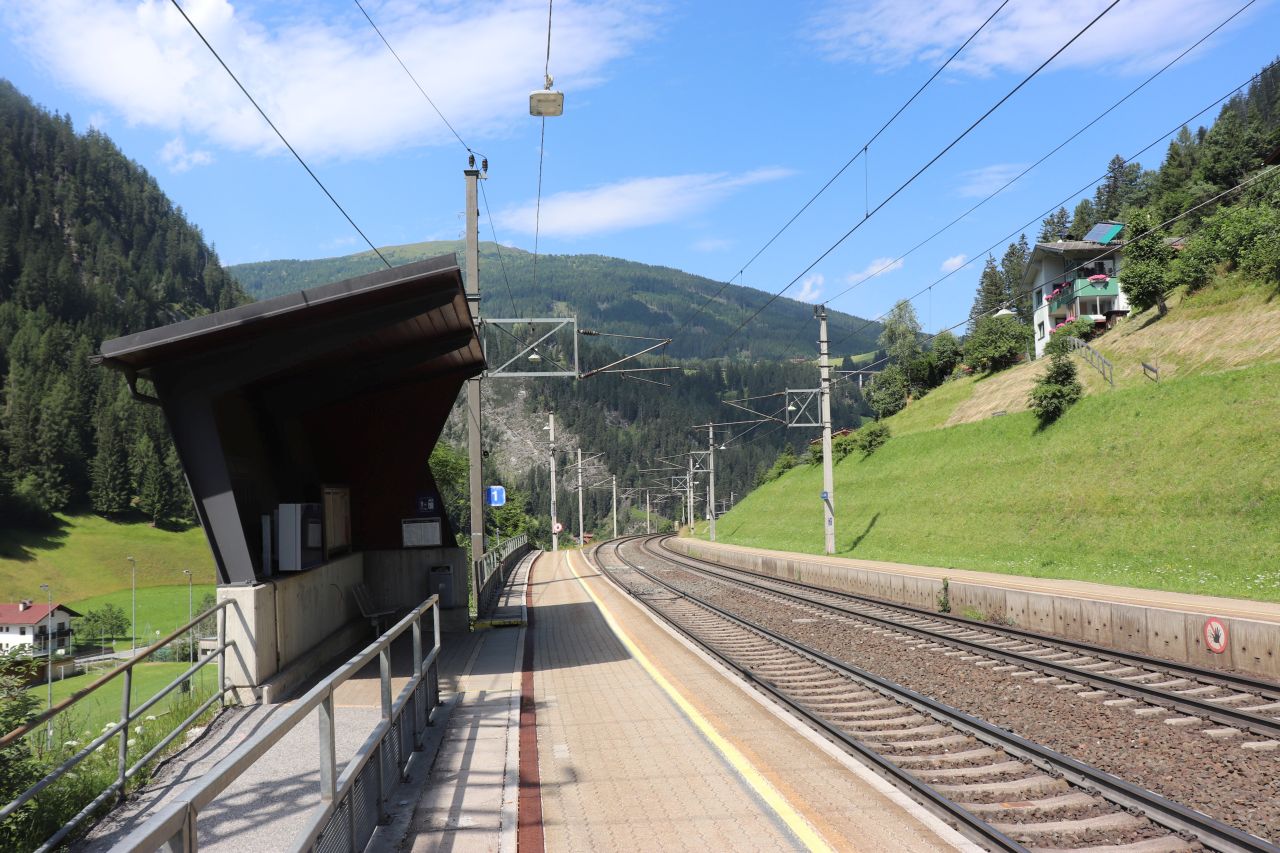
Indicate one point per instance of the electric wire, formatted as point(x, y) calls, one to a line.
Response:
point(414, 79)
point(542, 148)
point(862, 152)
point(272, 124)
point(774, 297)
point(1068, 140)
point(1085, 263)
point(457, 136)
point(1031, 222)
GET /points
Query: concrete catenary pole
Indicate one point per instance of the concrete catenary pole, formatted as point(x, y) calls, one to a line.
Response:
point(475, 452)
point(615, 506)
point(711, 480)
point(688, 503)
point(828, 476)
point(555, 537)
point(646, 512)
point(582, 536)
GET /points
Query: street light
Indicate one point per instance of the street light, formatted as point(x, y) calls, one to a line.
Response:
point(190, 630)
point(133, 632)
point(48, 641)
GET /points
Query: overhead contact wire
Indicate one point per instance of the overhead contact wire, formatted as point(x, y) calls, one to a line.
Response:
point(918, 173)
point(272, 124)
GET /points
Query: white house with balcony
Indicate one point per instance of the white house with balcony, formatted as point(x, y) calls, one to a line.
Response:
point(28, 624)
point(1069, 279)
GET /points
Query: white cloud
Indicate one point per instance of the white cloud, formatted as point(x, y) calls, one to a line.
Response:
point(175, 155)
point(980, 183)
point(894, 33)
point(631, 203)
point(811, 288)
point(953, 263)
point(879, 266)
point(325, 78)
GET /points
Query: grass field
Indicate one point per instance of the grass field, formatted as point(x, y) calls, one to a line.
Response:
point(1170, 486)
point(85, 557)
point(160, 608)
point(103, 705)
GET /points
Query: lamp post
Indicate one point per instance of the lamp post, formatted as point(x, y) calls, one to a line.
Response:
point(48, 641)
point(133, 632)
point(191, 657)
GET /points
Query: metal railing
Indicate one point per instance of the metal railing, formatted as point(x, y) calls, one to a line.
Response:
point(491, 569)
point(128, 714)
point(351, 805)
point(1095, 358)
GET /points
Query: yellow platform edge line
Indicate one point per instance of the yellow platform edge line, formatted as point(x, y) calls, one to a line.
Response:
point(763, 788)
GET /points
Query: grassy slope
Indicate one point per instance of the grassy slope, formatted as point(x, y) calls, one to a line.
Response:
point(85, 557)
point(1170, 486)
point(103, 705)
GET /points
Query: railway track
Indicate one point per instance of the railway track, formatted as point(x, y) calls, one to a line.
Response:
point(999, 788)
point(1241, 703)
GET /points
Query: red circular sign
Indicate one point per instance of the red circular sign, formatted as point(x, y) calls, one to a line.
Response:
point(557, 528)
point(1215, 635)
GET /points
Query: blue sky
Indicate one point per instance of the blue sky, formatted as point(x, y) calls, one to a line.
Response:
point(691, 131)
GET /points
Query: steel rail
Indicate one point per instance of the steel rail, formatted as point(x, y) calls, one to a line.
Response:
point(1196, 706)
point(972, 825)
point(1172, 815)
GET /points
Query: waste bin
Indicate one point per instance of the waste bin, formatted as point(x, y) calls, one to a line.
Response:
point(442, 584)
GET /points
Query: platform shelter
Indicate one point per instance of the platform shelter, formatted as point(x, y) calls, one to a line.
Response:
point(304, 424)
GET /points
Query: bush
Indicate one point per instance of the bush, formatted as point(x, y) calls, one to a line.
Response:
point(871, 437)
point(1058, 344)
point(843, 445)
point(1056, 390)
point(887, 392)
point(997, 343)
point(785, 462)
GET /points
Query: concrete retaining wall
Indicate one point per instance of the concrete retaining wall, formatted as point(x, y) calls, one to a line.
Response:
point(1176, 635)
point(288, 627)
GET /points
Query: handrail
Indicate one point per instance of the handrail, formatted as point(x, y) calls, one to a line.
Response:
point(175, 826)
point(1096, 359)
point(124, 770)
point(35, 722)
point(489, 564)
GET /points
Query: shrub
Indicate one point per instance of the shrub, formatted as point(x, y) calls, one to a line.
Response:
point(871, 437)
point(997, 343)
point(785, 462)
point(1055, 390)
point(1081, 327)
point(843, 445)
point(887, 393)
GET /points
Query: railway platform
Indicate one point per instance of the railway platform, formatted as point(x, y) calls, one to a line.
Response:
point(593, 727)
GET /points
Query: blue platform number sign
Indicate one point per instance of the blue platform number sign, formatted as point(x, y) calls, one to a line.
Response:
point(825, 496)
point(425, 504)
point(495, 496)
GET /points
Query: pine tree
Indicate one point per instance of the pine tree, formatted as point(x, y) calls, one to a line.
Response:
point(1013, 266)
point(110, 494)
point(1084, 217)
point(991, 295)
point(1052, 226)
point(152, 480)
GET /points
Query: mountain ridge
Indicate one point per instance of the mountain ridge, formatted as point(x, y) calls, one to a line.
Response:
point(613, 294)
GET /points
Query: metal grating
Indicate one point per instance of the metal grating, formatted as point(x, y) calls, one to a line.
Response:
point(365, 797)
point(336, 837)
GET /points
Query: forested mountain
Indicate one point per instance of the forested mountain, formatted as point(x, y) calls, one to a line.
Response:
point(90, 248)
point(605, 293)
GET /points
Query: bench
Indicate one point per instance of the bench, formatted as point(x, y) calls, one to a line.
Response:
point(377, 616)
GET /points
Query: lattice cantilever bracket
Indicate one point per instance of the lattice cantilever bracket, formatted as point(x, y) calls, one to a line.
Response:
point(555, 324)
point(802, 407)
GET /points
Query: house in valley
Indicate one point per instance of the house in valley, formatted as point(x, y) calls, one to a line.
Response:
point(28, 624)
point(1076, 278)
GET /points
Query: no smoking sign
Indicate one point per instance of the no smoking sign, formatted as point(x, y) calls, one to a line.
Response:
point(1215, 635)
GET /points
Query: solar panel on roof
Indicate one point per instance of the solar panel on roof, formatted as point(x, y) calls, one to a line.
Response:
point(1103, 232)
